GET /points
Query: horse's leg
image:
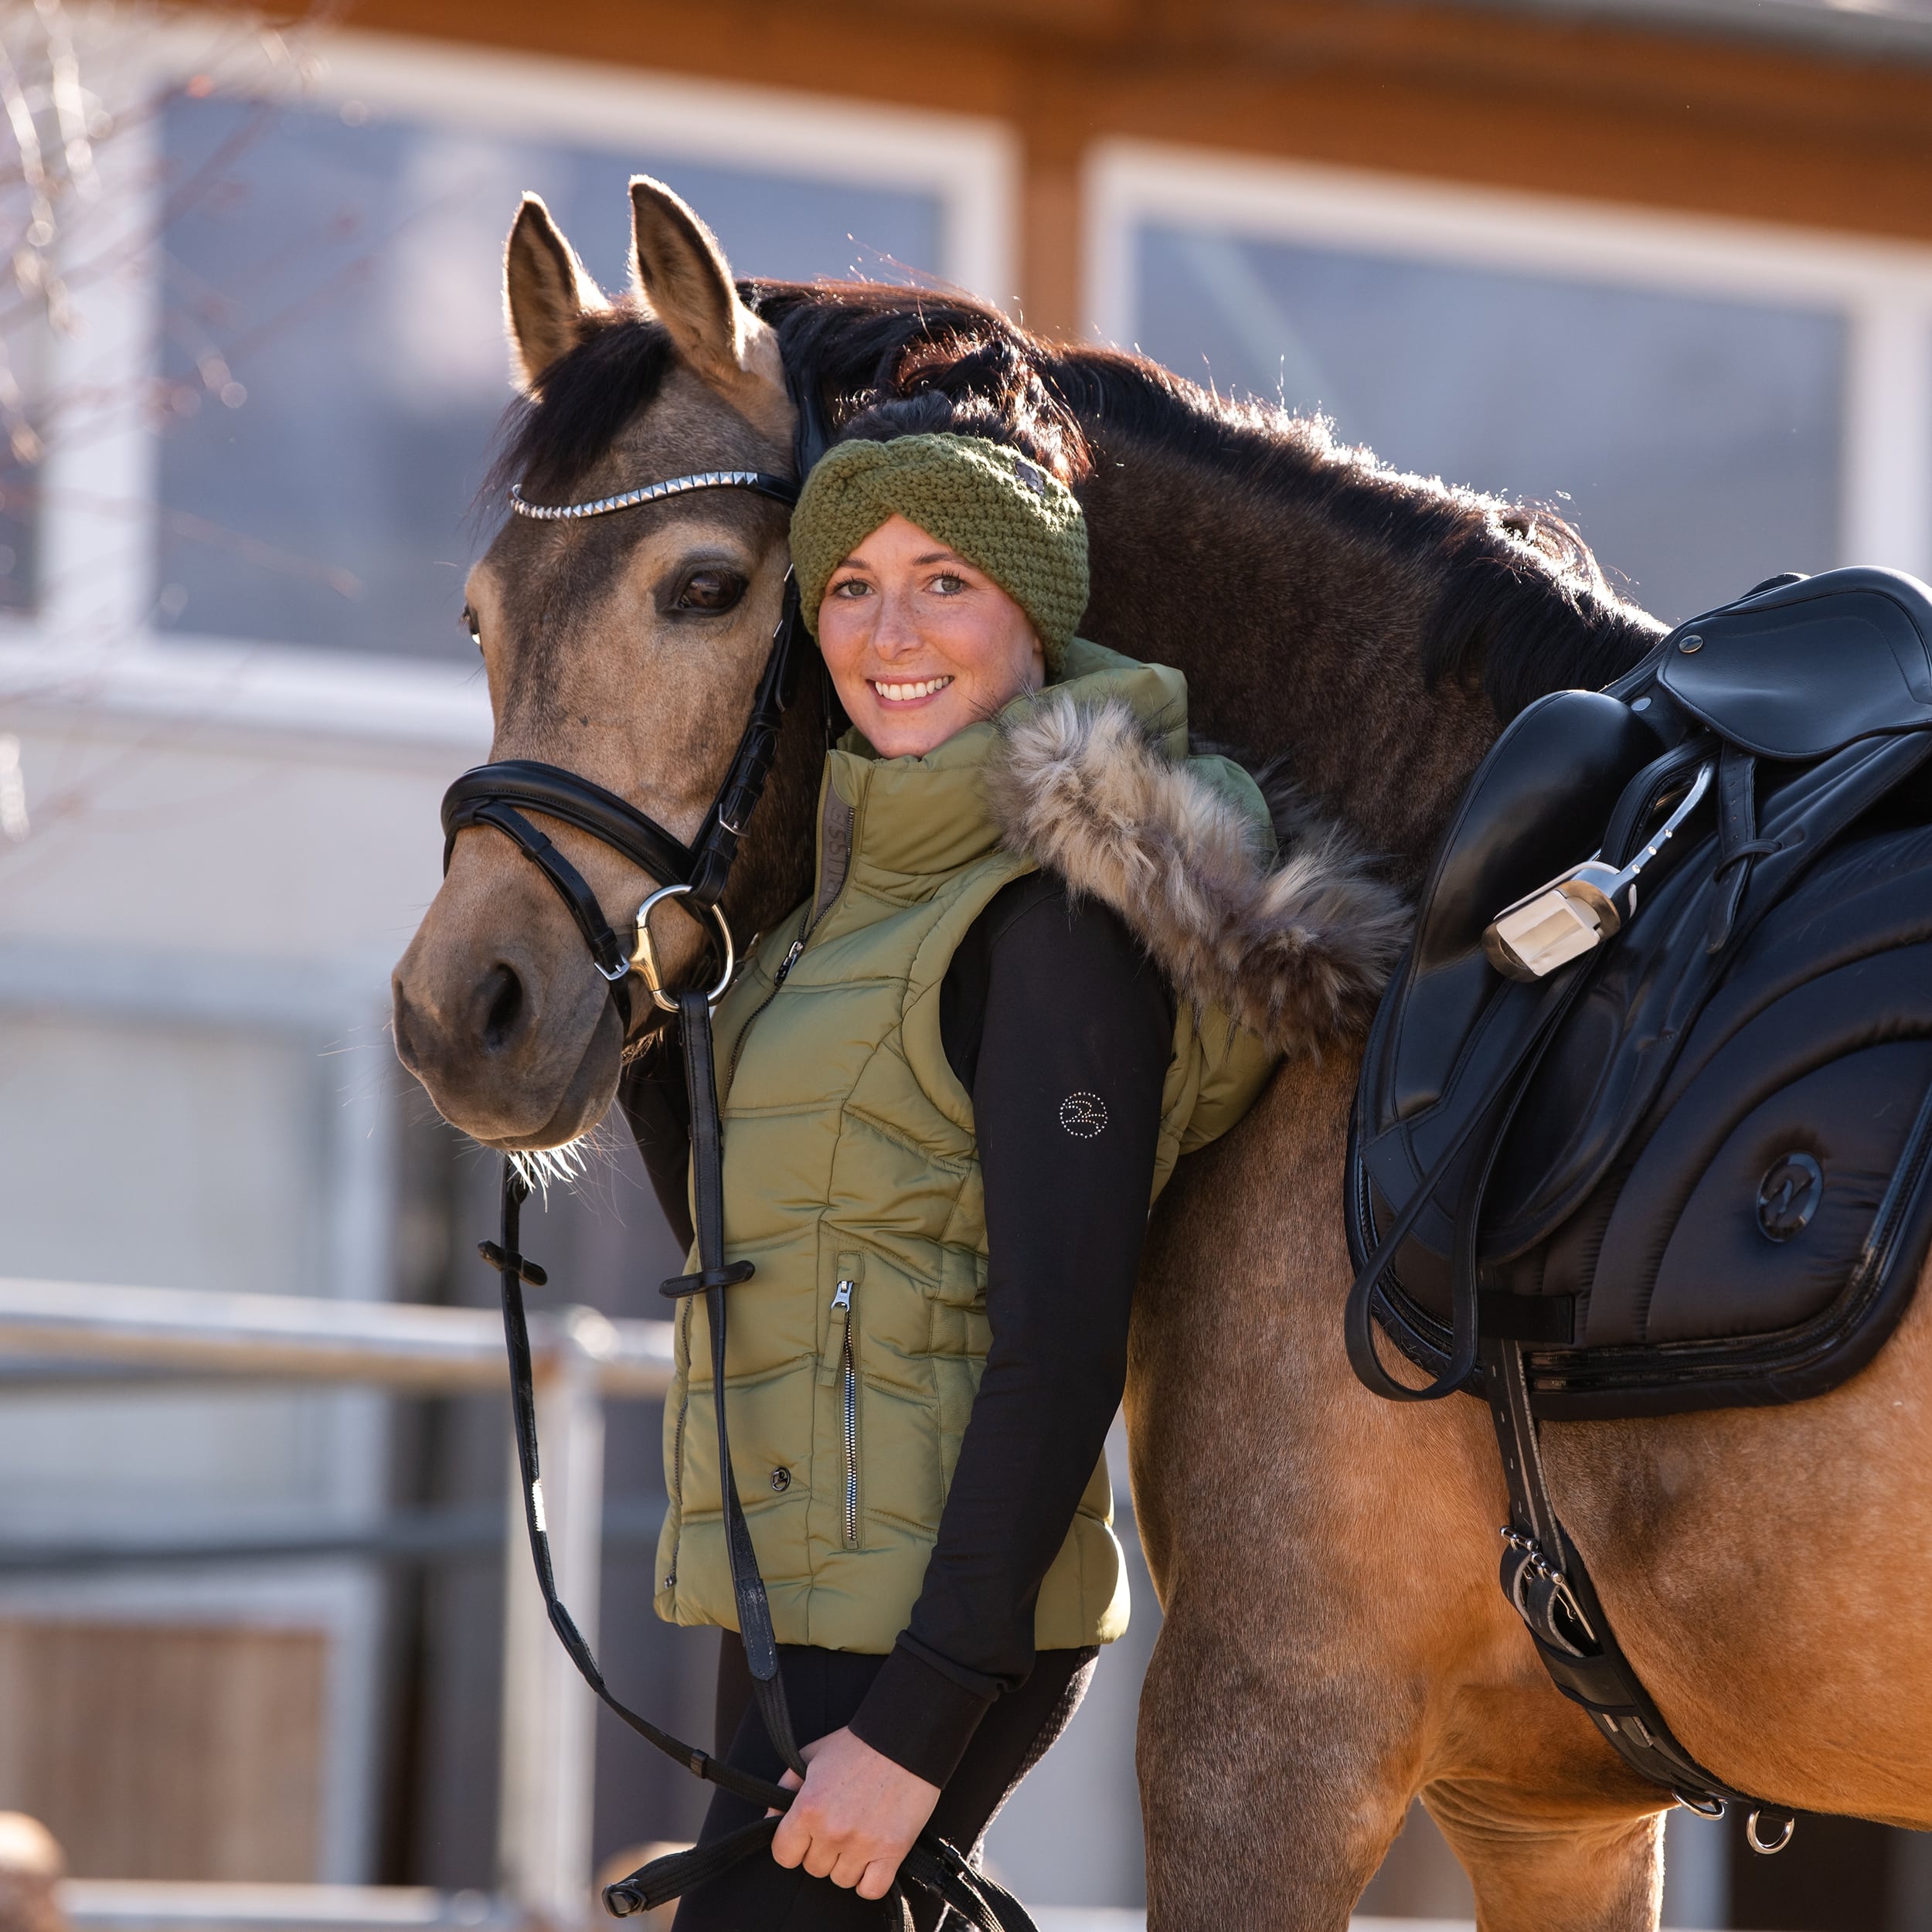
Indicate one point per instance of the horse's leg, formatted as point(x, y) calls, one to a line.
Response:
point(1335, 1639)
point(1324, 1559)
point(1535, 1864)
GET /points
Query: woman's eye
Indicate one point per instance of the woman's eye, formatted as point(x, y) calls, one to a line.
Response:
point(852, 587)
point(948, 585)
point(710, 591)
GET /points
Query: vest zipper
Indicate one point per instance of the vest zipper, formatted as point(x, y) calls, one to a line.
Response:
point(841, 1307)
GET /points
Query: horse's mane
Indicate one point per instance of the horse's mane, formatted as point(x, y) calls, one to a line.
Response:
point(1521, 607)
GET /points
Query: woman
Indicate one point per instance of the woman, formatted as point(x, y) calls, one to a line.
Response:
point(952, 1082)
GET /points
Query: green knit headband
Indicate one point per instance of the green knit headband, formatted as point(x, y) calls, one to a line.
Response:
point(1007, 516)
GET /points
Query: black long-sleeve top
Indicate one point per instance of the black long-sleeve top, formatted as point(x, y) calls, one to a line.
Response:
point(1059, 1026)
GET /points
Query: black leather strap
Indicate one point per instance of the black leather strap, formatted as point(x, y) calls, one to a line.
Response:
point(512, 1270)
point(707, 1188)
point(1544, 1577)
point(1359, 1315)
point(558, 793)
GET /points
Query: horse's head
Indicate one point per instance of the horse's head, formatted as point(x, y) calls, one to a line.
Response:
point(624, 648)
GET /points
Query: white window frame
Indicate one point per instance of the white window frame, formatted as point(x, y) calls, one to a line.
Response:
point(1882, 291)
point(91, 640)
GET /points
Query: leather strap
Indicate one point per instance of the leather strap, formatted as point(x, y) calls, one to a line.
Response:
point(1544, 1577)
point(707, 1188)
point(558, 793)
point(512, 1271)
point(932, 1864)
point(1358, 1315)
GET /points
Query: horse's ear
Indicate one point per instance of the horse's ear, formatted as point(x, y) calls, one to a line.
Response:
point(548, 297)
point(681, 272)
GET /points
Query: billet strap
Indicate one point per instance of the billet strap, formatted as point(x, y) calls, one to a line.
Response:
point(1543, 1575)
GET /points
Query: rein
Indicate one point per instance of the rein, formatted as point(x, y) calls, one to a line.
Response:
point(498, 795)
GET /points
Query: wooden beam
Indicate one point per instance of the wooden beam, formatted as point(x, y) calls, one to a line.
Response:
point(1670, 120)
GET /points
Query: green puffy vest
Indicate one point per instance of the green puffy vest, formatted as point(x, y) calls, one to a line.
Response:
point(851, 1182)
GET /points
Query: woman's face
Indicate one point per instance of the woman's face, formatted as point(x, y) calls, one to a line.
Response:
point(918, 643)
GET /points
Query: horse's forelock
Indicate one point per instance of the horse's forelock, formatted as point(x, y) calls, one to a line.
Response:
point(547, 443)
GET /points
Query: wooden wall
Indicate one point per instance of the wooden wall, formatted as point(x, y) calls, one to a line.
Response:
point(162, 1752)
point(1751, 128)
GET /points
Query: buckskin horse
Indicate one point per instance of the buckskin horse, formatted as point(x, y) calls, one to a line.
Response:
point(1334, 1643)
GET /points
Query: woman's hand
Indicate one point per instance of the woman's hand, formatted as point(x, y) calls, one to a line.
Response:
point(856, 1816)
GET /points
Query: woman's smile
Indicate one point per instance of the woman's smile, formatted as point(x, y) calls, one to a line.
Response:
point(920, 643)
point(912, 693)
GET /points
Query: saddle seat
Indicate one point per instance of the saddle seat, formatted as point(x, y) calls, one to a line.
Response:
point(1686, 1167)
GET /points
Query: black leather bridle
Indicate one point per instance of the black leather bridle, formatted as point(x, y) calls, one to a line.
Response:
point(499, 795)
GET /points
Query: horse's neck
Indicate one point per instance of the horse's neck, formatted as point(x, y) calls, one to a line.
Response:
point(1296, 644)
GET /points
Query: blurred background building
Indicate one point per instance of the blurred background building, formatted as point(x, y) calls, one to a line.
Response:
point(1664, 264)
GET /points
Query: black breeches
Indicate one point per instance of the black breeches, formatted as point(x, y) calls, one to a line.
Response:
point(825, 1689)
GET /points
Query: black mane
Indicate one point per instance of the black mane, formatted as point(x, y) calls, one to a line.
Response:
point(1522, 606)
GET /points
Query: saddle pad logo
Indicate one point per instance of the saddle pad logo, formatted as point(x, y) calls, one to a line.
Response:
point(1084, 1115)
point(1788, 1195)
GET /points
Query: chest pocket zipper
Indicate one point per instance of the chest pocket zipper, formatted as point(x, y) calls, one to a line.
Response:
point(840, 1366)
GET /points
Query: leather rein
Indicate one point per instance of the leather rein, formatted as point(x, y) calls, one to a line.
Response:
point(499, 795)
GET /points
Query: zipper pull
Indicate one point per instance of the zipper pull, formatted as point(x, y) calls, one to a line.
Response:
point(790, 960)
point(835, 1356)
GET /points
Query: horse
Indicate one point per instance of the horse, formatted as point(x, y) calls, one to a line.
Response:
point(1334, 1643)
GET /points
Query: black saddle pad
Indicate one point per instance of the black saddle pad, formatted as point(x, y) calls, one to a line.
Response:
point(1709, 1183)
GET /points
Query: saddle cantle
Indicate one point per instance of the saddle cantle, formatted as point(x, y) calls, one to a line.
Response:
point(1701, 1182)
point(1644, 1121)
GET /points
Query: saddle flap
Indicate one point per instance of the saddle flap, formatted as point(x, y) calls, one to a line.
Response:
point(1536, 806)
point(1799, 671)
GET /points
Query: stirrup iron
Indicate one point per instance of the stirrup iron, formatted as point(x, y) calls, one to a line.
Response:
point(1578, 909)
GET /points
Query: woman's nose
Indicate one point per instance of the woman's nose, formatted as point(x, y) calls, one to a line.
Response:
point(896, 633)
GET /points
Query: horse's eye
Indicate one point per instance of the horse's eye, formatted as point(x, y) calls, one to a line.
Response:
point(711, 590)
point(474, 628)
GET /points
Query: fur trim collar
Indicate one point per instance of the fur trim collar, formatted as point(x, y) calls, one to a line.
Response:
point(1298, 952)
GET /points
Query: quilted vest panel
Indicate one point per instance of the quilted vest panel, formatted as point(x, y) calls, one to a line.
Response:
point(851, 1182)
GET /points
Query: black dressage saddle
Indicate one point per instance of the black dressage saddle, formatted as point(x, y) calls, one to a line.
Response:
point(1672, 1133)
point(1645, 1121)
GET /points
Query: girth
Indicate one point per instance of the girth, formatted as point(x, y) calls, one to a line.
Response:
point(498, 795)
point(1634, 881)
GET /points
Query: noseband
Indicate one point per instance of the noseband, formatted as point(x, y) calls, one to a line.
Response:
point(499, 794)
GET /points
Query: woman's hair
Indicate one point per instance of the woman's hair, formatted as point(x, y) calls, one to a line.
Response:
point(976, 386)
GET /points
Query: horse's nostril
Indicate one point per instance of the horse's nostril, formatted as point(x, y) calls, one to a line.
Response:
point(503, 1007)
point(405, 1047)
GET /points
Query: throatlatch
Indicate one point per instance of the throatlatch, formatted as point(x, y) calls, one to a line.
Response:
point(492, 795)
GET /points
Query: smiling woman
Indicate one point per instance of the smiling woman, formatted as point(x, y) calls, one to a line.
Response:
point(935, 617)
point(955, 1077)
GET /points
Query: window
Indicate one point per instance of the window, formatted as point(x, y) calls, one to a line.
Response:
point(1688, 394)
point(283, 530)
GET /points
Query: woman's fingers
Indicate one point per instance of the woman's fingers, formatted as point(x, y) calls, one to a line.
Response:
point(878, 1878)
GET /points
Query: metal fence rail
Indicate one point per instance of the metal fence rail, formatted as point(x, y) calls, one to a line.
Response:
point(64, 1331)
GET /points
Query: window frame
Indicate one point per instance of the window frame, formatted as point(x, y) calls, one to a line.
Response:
point(89, 640)
point(1882, 290)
